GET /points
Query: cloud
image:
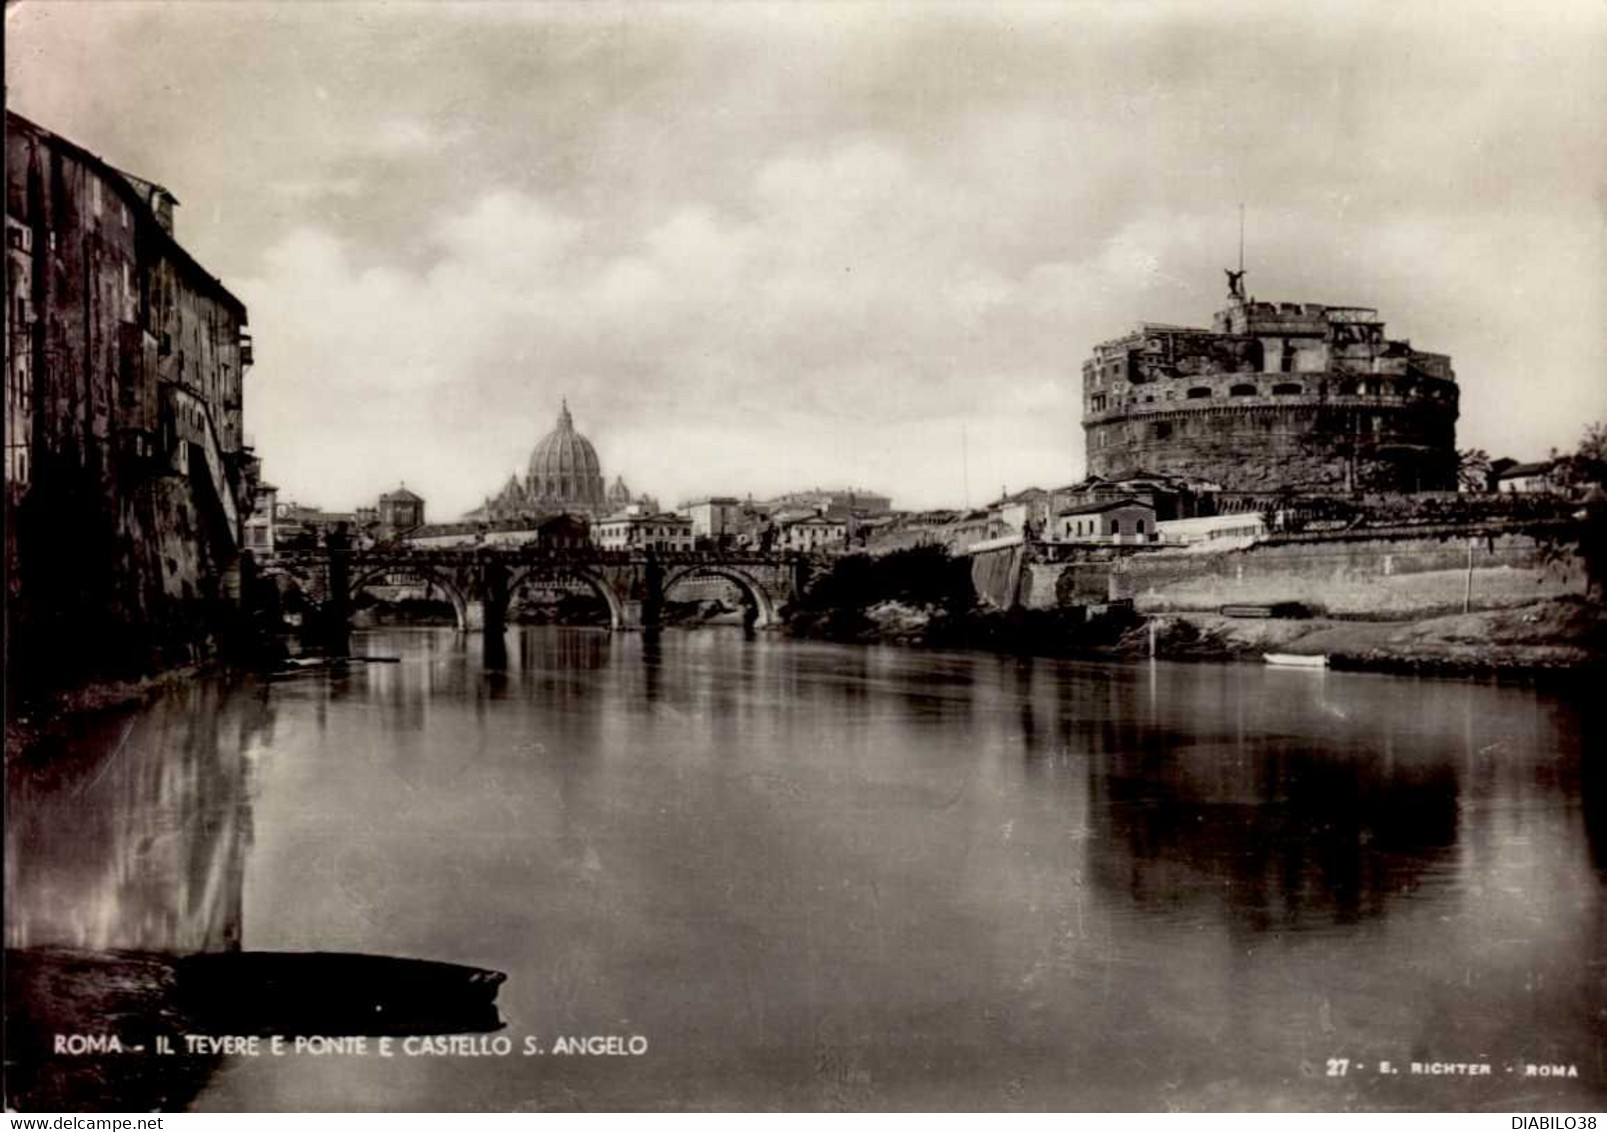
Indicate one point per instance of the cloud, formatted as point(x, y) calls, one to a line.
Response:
point(838, 298)
point(301, 190)
point(757, 245)
point(399, 136)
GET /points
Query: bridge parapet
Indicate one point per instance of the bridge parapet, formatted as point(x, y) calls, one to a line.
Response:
point(479, 581)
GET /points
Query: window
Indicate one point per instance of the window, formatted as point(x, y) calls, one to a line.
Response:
point(1139, 527)
point(1163, 430)
point(1287, 389)
point(1242, 391)
point(1199, 392)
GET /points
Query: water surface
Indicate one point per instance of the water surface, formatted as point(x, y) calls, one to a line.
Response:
point(821, 876)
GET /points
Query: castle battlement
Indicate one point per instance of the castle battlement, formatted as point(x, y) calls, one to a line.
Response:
point(1308, 396)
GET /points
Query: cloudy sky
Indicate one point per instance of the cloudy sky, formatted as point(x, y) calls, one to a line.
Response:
point(762, 248)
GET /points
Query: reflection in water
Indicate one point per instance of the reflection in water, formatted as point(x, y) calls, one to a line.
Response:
point(126, 843)
point(822, 876)
point(1281, 831)
point(134, 834)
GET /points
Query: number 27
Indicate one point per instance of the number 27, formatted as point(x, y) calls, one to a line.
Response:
point(1338, 1066)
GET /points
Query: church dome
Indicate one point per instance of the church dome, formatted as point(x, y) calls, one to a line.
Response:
point(564, 469)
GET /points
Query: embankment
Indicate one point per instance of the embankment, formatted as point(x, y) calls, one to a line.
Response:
point(1388, 603)
point(1541, 638)
point(1345, 576)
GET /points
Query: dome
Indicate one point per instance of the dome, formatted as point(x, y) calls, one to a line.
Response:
point(564, 468)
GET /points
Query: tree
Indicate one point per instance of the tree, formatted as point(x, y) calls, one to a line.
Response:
point(1473, 469)
point(1590, 462)
point(1587, 465)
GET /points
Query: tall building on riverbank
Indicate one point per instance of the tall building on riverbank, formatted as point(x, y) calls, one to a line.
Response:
point(128, 477)
point(1299, 396)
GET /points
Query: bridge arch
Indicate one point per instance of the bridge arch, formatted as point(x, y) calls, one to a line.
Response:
point(747, 583)
point(449, 587)
point(599, 584)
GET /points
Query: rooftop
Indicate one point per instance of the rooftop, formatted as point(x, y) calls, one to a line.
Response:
point(1517, 471)
point(1106, 505)
point(129, 187)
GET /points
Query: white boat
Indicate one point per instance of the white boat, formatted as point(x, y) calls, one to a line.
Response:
point(1296, 660)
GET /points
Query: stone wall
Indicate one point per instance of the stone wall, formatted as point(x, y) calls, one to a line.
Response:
point(997, 575)
point(1353, 577)
point(1266, 442)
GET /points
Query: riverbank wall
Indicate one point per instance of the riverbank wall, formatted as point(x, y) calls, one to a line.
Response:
point(1399, 576)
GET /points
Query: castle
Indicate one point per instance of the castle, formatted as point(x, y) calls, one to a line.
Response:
point(1298, 396)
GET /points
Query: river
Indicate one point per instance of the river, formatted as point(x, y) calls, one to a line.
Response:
point(821, 876)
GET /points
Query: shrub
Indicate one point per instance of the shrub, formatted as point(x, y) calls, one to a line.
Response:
point(918, 576)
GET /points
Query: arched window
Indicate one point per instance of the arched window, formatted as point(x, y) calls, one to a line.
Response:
point(1198, 392)
point(1287, 389)
point(1139, 527)
point(1242, 391)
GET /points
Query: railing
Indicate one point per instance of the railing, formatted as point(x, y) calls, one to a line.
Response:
point(591, 556)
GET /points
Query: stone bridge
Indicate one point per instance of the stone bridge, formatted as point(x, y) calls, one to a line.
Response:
point(479, 583)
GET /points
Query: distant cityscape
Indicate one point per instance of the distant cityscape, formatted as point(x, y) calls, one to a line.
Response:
point(1190, 433)
point(131, 492)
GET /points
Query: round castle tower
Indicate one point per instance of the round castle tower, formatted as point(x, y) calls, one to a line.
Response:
point(1301, 396)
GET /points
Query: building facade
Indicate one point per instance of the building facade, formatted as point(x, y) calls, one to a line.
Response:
point(719, 519)
point(1214, 532)
point(261, 525)
point(128, 479)
point(1275, 396)
point(1527, 479)
point(400, 511)
point(1117, 521)
point(815, 533)
point(638, 529)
